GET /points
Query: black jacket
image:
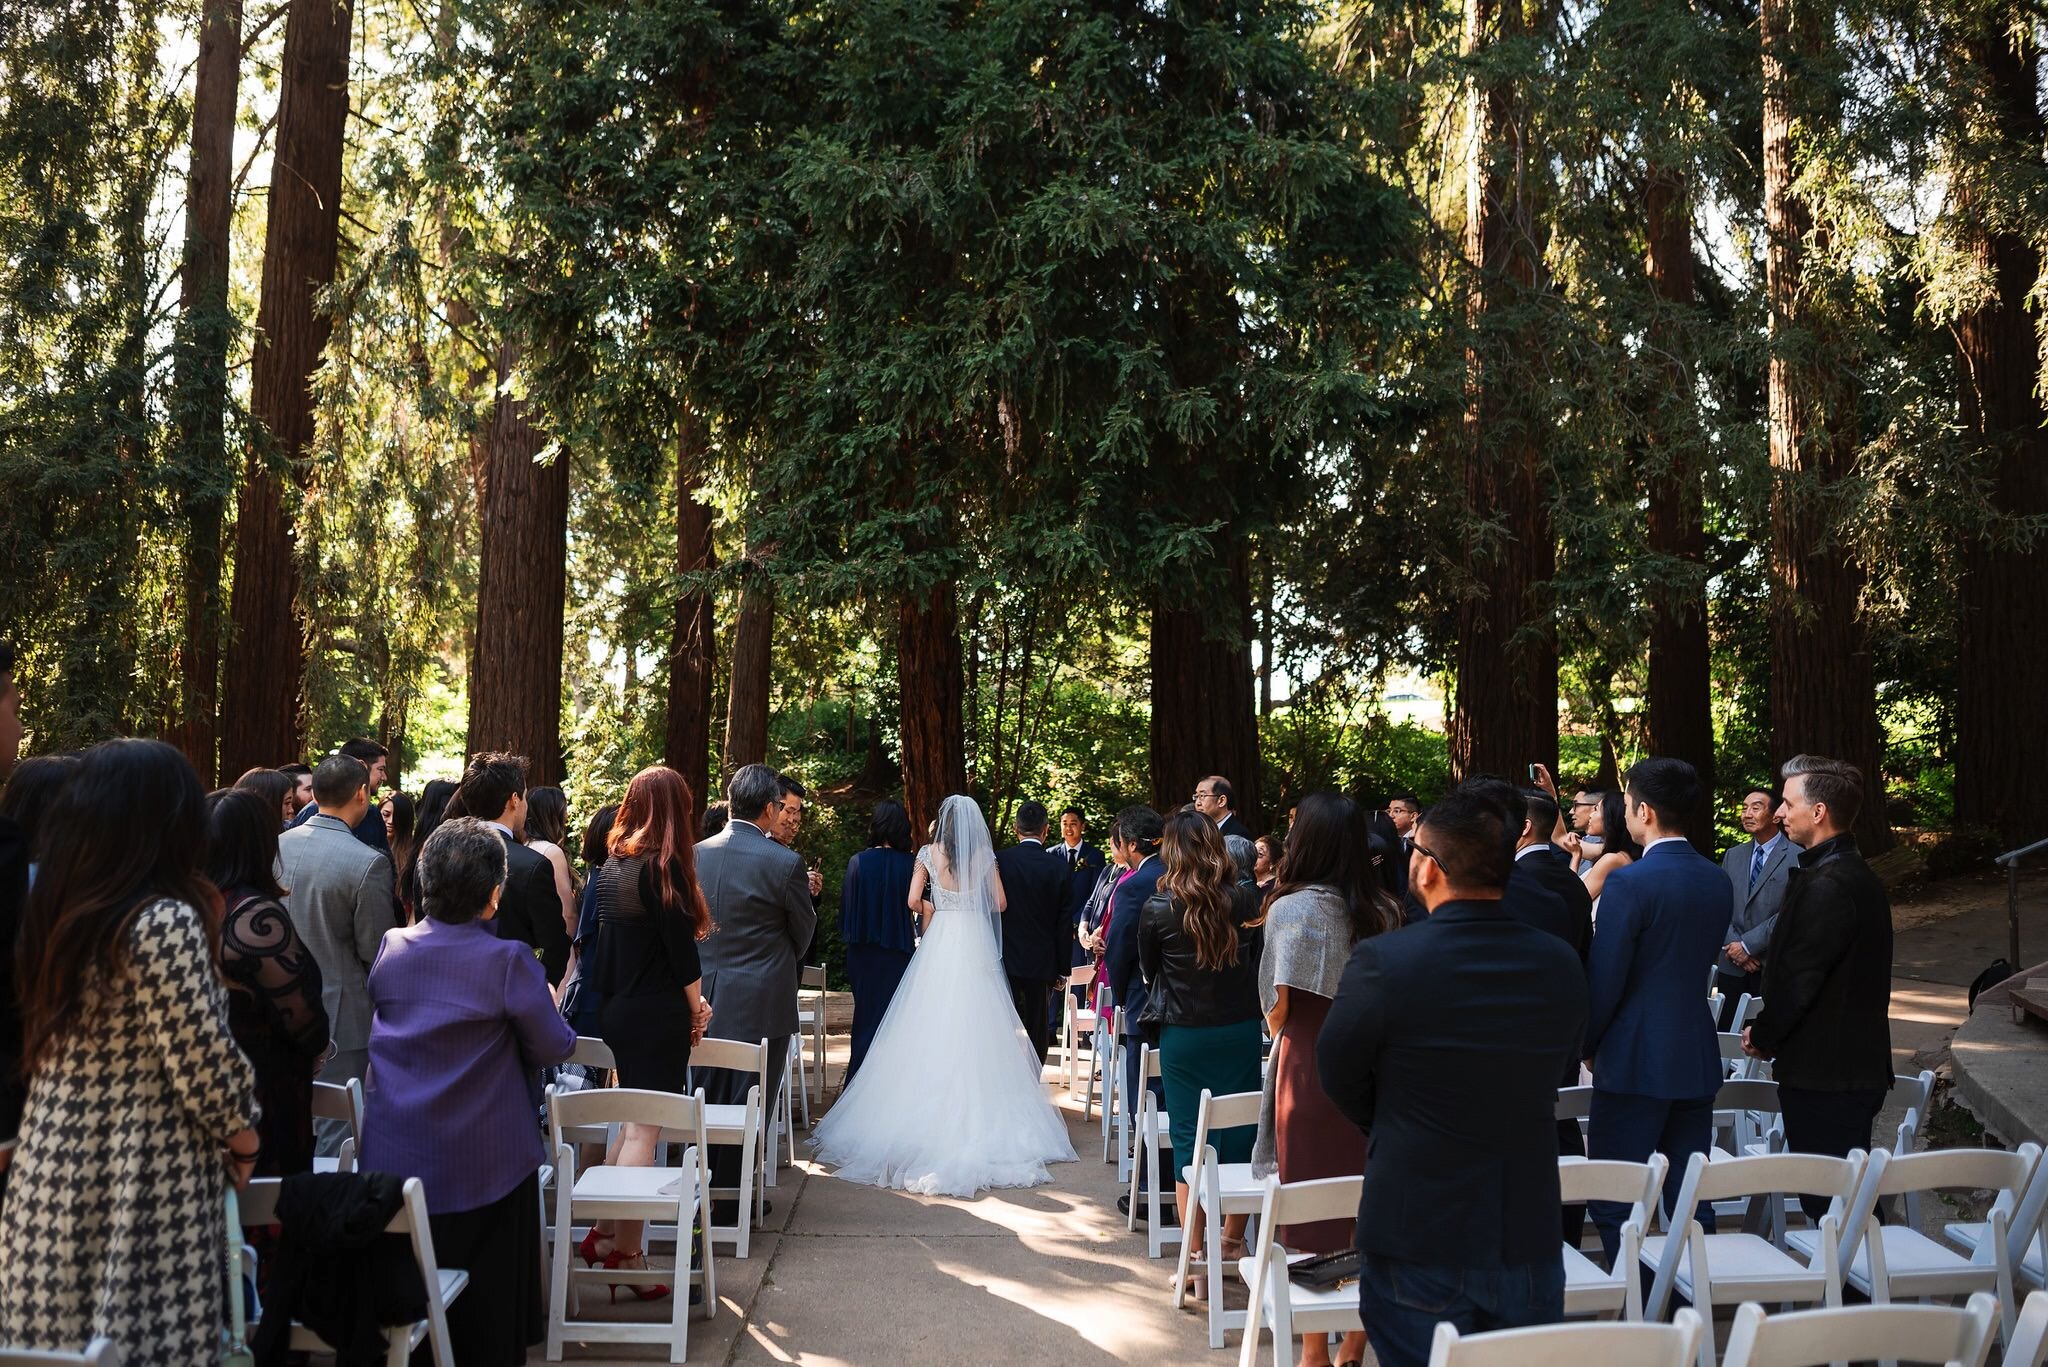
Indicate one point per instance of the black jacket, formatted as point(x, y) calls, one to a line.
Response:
point(336, 1271)
point(1038, 927)
point(1551, 869)
point(1235, 825)
point(1826, 1022)
point(1444, 1044)
point(531, 909)
point(1179, 990)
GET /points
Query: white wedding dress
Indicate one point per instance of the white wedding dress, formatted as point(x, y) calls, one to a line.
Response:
point(950, 1099)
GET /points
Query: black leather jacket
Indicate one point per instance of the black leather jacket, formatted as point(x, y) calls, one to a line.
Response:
point(1186, 993)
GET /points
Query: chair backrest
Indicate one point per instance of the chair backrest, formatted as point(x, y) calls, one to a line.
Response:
point(1607, 1179)
point(1803, 1174)
point(681, 1118)
point(341, 1101)
point(258, 1203)
point(1747, 1094)
point(1747, 1009)
point(1148, 1064)
point(1574, 1103)
point(2027, 1345)
point(1917, 1092)
point(1676, 1344)
point(732, 1054)
point(1081, 976)
point(101, 1352)
point(1861, 1333)
point(1230, 1111)
point(1306, 1203)
point(592, 1052)
point(811, 978)
point(2010, 1174)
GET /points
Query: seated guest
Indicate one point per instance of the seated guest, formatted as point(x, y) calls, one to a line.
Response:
point(875, 923)
point(1326, 898)
point(461, 1022)
point(1444, 1045)
point(1200, 958)
point(273, 984)
point(651, 915)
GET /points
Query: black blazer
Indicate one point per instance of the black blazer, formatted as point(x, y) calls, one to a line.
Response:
point(530, 910)
point(1178, 988)
point(1234, 825)
point(1444, 1044)
point(1826, 1022)
point(1551, 869)
point(1038, 928)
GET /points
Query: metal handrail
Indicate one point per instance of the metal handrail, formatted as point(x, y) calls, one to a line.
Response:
point(2010, 861)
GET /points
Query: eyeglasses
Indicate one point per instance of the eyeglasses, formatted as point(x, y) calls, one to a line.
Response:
point(1199, 794)
point(1415, 848)
point(1584, 802)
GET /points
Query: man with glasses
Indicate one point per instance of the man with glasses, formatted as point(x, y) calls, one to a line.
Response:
point(1213, 796)
point(1759, 869)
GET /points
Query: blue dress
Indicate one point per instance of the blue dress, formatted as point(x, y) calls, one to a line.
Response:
point(879, 931)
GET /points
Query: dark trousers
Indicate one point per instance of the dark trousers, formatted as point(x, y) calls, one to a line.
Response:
point(1631, 1128)
point(1832, 1123)
point(1402, 1303)
point(724, 1087)
point(1571, 1142)
point(499, 1246)
point(1732, 986)
point(1033, 999)
point(874, 974)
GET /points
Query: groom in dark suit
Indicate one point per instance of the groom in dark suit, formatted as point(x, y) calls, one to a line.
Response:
point(1037, 926)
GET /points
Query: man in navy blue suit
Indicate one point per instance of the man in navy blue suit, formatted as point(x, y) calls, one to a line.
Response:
point(1038, 926)
point(1656, 1063)
point(1138, 830)
point(1084, 865)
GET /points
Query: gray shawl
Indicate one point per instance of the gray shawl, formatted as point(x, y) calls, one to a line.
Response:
point(1308, 942)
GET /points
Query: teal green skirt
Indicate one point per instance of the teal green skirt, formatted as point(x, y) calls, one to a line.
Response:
point(1220, 1058)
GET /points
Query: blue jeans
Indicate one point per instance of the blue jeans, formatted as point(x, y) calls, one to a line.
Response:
point(1402, 1303)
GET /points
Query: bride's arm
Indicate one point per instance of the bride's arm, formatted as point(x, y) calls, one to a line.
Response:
point(917, 876)
point(1002, 901)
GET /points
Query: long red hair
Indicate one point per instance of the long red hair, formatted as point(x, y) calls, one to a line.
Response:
point(654, 824)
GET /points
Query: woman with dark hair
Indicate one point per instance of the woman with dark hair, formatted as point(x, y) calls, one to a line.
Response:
point(274, 1004)
point(582, 1008)
point(31, 790)
point(1198, 949)
point(401, 826)
point(276, 788)
point(463, 1020)
point(1326, 897)
point(430, 813)
point(1266, 861)
point(875, 922)
point(547, 834)
point(140, 1108)
point(1607, 843)
point(651, 915)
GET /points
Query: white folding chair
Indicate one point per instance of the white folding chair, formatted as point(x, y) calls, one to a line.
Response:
point(607, 1192)
point(785, 1122)
point(1277, 1303)
point(1155, 1132)
point(1587, 1289)
point(1217, 1189)
point(100, 1352)
point(1708, 1269)
point(258, 1202)
point(1896, 1262)
point(2027, 1344)
point(1957, 1337)
point(1571, 1345)
point(340, 1101)
point(1114, 1132)
point(810, 1018)
point(1918, 1093)
point(745, 1127)
point(2024, 1232)
point(1576, 1103)
point(1077, 1021)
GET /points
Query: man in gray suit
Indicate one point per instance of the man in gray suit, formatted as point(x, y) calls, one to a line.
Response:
point(762, 919)
point(339, 897)
point(1757, 872)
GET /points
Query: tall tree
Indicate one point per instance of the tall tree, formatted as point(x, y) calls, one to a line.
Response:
point(205, 328)
point(1504, 715)
point(693, 647)
point(2001, 746)
point(515, 692)
point(1823, 689)
point(1204, 717)
point(748, 690)
point(934, 735)
point(260, 703)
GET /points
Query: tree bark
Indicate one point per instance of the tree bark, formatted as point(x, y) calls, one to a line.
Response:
point(693, 649)
point(260, 701)
point(2001, 747)
point(1504, 715)
point(1823, 689)
point(1681, 715)
point(928, 669)
point(753, 650)
point(515, 694)
point(201, 378)
point(1203, 707)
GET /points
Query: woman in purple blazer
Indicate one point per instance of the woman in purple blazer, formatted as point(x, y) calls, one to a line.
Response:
point(462, 1022)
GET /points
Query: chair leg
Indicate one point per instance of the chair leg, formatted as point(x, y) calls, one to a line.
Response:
point(559, 1288)
point(1183, 1264)
point(1212, 1230)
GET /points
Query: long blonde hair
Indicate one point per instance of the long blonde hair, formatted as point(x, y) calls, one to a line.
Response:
point(1202, 877)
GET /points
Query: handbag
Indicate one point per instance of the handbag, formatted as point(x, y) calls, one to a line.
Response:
point(235, 1350)
point(1327, 1272)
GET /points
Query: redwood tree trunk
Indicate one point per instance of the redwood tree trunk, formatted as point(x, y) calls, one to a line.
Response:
point(260, 702)
point(2001, 746)
point(693, 649)
point(515, 693)
point(928, 668)
point(202, 375)
point(1504, 715)
point(1681, 716)
point(1204, 718)
point(746, 695)
point(1823, 690)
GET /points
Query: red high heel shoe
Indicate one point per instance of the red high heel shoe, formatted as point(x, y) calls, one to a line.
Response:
point(618, 1258)
point(588, 1248)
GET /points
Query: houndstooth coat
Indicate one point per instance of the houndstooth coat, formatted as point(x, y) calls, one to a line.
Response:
point(114, 1216)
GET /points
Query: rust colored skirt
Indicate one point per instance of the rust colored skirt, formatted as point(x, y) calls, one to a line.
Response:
point(1311, 1137)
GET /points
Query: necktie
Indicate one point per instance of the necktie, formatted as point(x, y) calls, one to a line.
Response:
point(1756, 866)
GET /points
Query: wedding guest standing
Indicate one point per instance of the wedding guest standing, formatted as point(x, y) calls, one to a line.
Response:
point(588, 1002)
point(463, 1020)
point(1326, 898)
point(30, 792)
point(376, 762)
point(1136, 836)
point(1200, 958)
point(139, 1105)
point(1759, 870)
point(547, 835)
point(275, 787)
point(401, 824)
point(274, 1005)
point(645, 968)
point(494, 792)
point(875, 922)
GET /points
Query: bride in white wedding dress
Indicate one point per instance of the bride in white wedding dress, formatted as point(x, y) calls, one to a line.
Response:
point(950, 1098)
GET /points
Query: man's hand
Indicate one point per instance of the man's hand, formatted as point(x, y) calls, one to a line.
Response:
point(1545, 781)
point(1747, 1047)
point(816, 881)
point(1739, 955)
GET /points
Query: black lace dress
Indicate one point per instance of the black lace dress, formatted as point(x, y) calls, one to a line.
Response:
point(275, 1013)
